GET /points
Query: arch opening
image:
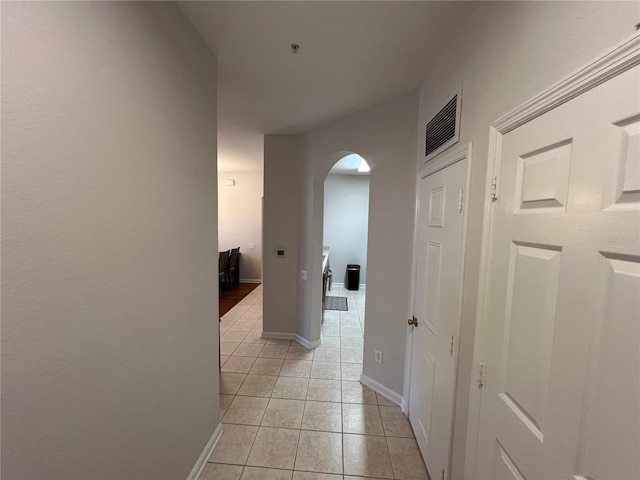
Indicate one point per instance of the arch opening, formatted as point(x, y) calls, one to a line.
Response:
point(345, 223)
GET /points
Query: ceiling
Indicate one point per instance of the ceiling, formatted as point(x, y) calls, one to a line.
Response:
point(352, 55)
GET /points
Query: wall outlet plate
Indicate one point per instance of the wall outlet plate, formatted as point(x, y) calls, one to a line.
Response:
point(280, 253)
point(252, 246)
point(378, 354)
point(303, 274)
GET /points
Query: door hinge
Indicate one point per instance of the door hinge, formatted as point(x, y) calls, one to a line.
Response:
point(482, 371)
point(494, 188)
point(443, 474)
point(460, 199)
point(451, 347)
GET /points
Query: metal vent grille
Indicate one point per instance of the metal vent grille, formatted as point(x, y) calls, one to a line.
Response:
point(442, 127)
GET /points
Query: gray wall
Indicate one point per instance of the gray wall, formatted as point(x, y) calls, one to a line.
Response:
point(281, 216)
point(509, 52)
point(346, 223)
point(109, 242)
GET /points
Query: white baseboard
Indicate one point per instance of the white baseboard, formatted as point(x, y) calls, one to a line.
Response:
point(404, 406)
point(292, 336)
point(279, 335)
point(308, 343)
point(250, 280)
point(382, 390)
point(206, 453)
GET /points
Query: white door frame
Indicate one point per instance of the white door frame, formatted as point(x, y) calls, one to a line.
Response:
point(622, 57)
point(462, 152)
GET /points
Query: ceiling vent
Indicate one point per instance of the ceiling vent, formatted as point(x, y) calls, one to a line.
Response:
point(443, 129)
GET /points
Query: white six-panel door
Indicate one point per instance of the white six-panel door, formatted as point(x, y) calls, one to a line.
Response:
point(561, 398)
point(437, 311)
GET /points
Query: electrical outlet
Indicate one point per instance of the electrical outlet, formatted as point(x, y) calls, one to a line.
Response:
point(252, 246)
point(303, 274)
point(378, 356)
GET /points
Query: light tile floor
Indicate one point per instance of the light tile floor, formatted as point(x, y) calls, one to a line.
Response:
point(290, 413)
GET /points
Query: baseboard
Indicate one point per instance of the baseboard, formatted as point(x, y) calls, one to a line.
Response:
point(279, 335)
point(206, 453)
point(307, 343)
point(404, 406)
point(250, 280)
point(382, 390)
point(292, 336)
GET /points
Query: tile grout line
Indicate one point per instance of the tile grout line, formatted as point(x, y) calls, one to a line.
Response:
point(308, 378)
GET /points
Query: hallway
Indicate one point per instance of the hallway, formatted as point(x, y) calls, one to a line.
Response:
point(295, 414)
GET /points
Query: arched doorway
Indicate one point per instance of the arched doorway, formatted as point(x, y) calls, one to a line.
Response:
point(345, 221)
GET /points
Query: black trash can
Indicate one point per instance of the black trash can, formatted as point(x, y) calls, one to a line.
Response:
point(353, 276)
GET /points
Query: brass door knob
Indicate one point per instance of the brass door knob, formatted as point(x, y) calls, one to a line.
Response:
point(413, 321)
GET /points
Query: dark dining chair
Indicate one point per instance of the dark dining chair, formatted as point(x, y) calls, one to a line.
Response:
point(223, 262)
point(233, 267)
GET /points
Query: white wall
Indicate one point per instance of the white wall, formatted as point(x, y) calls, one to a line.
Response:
point(240, 220)
point(385, 136)
point(346, 223)
point(507, 53)
point(109, 241)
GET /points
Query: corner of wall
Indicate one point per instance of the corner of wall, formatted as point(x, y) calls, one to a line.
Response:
point(281, 219)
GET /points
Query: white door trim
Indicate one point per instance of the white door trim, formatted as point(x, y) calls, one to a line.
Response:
point(462, 152)
point(617, 60)
point(440, 163)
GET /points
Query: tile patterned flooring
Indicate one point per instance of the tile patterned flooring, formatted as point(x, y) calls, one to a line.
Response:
point(290, 413)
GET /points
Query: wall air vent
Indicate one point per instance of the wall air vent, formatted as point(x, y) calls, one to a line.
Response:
point(444, 128)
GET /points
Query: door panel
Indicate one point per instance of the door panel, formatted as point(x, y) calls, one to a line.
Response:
point(432, 294)
point(542, 179)
point(612, 414)
point(436, 206)
point(562, 393)
point(426, 390)
point(532, 293)
point(503, 466)
point(437, 308)
point(626, 158)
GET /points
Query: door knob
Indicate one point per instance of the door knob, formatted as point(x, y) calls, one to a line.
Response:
point(413, 321)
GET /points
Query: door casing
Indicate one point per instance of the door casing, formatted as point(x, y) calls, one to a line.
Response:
point(460, 153)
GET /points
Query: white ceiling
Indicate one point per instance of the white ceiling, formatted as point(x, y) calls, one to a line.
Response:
point(352, 55)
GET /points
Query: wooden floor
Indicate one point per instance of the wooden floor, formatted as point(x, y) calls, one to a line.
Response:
point(229, 297)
